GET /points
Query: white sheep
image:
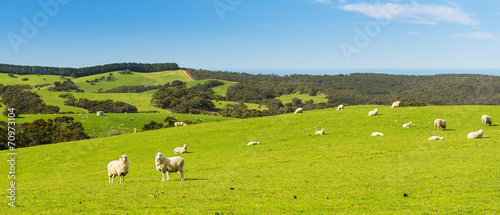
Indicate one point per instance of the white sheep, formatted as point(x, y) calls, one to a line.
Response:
point(486, 120)
point(253, 143)
point(340, 107)
point(373, 112)
point(436, 138)
point(118, 168)
point(299, 110)
point(475, 135)
point(168, 165)
point(440, 123)
point(179, 124)
point(320, 132)
point(407, 125)
point(395, 104)
point(374, 134)
point(181, 150)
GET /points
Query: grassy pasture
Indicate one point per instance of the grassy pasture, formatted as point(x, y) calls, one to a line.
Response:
point(304, 97)
point(343, 171)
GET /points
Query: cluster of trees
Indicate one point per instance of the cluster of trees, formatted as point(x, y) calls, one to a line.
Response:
point(86, 71)
point(67, 85)
point(110, 77)
point(131, 89)
point(40, 132)
point(108, 106)
point(366, 88)
point(207, 86)
point(24, 101)
point(126, 72)
point(182, 100)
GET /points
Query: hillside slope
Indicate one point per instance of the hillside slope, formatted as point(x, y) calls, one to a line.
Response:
point(291, 172)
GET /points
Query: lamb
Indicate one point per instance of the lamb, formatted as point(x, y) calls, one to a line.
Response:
point(320, 132)
point(253, 143)
point(179, 124)
point(374, 134)
point(436, 138)
point(299, 110)
point(486, 120)
point(181, 150)
point(407, 125)
point(475, 135)
point(168, 165)
point(439, 123)
point(340, 107)
point(373, 112)
point(395, 104)
point(118, 168)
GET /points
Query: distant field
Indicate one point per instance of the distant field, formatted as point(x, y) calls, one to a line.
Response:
point(293, 171)
point(32, 79)
point(222, 90)
point(222, 104)
point(304, 97)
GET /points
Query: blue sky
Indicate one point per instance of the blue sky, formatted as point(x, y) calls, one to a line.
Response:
point(254, 34)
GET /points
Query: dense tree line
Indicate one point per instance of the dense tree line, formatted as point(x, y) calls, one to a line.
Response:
point(366, 88)
point(41, 132)
point(207, 86)
point(24, 101)
point(182, 100)
point(67, 85)
point(108, 106)
point(131, 89)
point(86, 71)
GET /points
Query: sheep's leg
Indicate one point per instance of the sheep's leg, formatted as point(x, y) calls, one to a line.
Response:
point(112, 179)
point(109, 179)
point(163, 174)
point(168, 175)
point(182, 175)
point(122, 177)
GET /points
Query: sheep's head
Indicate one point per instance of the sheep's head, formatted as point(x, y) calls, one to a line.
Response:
point(480, 131)
point(159, 156)
point(124, 159)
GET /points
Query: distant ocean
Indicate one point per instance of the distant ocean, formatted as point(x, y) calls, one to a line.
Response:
point(282, 72)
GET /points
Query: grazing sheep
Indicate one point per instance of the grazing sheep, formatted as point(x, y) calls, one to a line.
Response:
point(439, 123)
point(373, 112)
point(475, 135)
point(407, 125)
point(181, 150)
point(253, 143)
point(436, 138)
point(486, 119)
point(118, 168)
point(135, 130)
point(340, 107)
point(299, 110)
point(179, 124)
point(374, 134)
point(131, 119)
point(320, 132)
point(168, 165)
point(395, 104)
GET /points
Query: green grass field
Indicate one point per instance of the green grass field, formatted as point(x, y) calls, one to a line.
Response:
point(32, 79)
point(304, 97)
point(222, 104)
point(344, 171)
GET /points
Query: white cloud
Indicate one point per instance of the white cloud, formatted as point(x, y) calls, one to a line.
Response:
point(415, 33)
point(477, 35)
point(412, 13)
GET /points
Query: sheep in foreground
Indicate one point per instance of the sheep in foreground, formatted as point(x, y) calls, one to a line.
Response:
point(475, 135)
point(395, 104)
point(340, 107)
point(299, 110)
point(486, 120)
point(439, 123)
point(168, 165)
point(253, 143)
point(436, 138)
point(373, 112)
point(179, 124)
point(321, 132)
point(181, 150)
point(118, 168)
point(374, 134)
point(407, 125)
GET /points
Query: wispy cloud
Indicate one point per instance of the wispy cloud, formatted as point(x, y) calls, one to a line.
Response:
point(477, 35)
point(323, 1)
point(413, 13)
point(415, 33)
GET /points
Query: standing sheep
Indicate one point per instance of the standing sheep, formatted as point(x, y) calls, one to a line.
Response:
point(253, 143)
point(374, 134)
point(373, 112)
point(181, 150)
point(475, 135)
point(299, 110)
point(436, 138)
point(168, 165)
point(407, 125)
point(439, 123)
point(320, 132)
point(395, 104)
point(118, 168)
point(486, 120)
point(340, 107)
point(179, 124)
